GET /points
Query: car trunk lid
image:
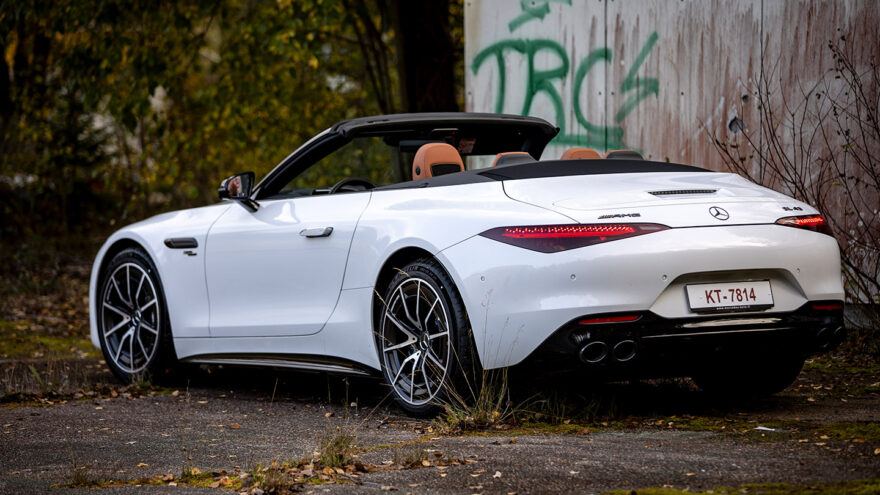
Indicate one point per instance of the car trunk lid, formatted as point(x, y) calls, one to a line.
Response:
point(676, 199)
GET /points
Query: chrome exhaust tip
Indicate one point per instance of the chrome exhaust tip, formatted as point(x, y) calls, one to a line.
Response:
point(624, 351)
point(823, 338)
point(594, 352)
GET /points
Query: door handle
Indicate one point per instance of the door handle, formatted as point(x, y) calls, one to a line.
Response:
point(317, 232)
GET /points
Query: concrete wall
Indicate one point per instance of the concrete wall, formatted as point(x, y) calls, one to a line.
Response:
point(659, 76)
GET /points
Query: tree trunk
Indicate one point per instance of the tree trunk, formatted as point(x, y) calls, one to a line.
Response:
point(426, 56)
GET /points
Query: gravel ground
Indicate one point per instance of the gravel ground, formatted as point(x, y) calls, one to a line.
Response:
point(221, 423)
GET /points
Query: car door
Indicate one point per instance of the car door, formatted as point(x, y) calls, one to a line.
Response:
point(278, 271)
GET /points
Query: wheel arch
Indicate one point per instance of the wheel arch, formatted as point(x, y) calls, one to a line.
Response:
point(398, 260)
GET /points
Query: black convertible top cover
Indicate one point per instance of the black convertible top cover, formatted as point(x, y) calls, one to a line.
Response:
point(554, 168)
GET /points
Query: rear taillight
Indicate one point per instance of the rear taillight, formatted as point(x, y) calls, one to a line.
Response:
point(810, 222)
point(553, 238)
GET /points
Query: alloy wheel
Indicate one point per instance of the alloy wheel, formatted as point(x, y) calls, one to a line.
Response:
point(131, 318)
point(415, 340)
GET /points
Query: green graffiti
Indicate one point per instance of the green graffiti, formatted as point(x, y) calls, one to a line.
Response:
point(607, 136)
point(542, 81)
point(533, 10)
point(644, 87)
point(538, 80)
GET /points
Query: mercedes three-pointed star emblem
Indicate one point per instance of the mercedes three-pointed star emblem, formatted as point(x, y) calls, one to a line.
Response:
point(719, 213)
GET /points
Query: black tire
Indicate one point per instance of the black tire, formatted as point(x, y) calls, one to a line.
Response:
point(755, 377)
point(412, 368)
point(132, 318)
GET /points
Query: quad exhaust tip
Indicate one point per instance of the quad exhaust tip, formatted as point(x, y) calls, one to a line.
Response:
point(597, 351)
point(624, 351)
point(594, 352)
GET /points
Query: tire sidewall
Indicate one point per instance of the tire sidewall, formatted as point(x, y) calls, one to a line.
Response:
point(164, 357)
point(462, 360)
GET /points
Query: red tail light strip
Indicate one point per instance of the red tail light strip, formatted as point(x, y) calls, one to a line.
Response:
point(555, 231)
point(554, 238)
point(809, 222)
point(609, 319)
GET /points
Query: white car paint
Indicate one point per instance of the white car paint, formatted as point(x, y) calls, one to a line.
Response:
point(256, 286)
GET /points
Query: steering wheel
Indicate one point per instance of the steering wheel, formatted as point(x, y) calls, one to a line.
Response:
point(351, 181)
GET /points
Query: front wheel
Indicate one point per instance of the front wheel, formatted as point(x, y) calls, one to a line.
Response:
point(132, 318)
point(423, 338)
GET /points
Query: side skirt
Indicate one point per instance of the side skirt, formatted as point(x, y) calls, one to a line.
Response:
point(299, 362)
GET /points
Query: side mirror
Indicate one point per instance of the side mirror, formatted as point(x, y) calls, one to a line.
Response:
point(239, 188)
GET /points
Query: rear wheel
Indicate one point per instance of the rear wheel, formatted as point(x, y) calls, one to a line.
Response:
point(133, 319)
point(761, 376)
point(424, 341)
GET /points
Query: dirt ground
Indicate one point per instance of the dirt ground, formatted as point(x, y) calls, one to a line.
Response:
point(66, 423)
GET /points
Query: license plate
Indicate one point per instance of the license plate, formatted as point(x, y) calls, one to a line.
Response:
point(730, 296)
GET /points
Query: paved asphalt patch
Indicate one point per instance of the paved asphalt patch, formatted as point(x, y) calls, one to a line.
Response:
point(216, 426)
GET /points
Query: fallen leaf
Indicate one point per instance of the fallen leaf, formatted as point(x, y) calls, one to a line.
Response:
point(175, 393)
point(426, 463)
point(497, 474)
point(329, 415)
point(142, 464)
point(824, 437)
point(195, 471)
point(877, 451)
point(98, 408)
point(443, 475)
point(690, 474)
point(388, 488)
point(234, 426)
point(573, 472)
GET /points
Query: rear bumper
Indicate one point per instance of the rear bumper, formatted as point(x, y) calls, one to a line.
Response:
point(517, 298)
point(653, 346)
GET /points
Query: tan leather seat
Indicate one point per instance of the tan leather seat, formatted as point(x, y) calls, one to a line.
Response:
point(512, 158)
point(435, 159)
point(580, 154)
point(625, 154)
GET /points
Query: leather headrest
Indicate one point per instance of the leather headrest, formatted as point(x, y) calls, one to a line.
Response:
point(626, 154)
point(580, 154)
point(435, 159)
point(512, 157)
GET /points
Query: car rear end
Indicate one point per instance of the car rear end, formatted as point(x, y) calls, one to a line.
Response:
point(658, 273)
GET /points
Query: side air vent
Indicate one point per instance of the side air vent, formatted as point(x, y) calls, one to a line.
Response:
point(674, 192)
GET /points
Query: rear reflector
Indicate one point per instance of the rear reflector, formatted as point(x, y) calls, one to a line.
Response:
point(810, 222)
point(827, 307)
point(553, 238)
point(609, 319)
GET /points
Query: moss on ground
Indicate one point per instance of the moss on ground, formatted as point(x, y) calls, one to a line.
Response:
point(26, 339)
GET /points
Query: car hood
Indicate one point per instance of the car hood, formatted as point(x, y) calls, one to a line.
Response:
point(675, 199)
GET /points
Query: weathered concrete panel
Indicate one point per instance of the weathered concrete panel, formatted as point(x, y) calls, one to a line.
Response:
point(660, 76)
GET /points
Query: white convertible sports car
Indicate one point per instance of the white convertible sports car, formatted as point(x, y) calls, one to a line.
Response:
point(373, 249)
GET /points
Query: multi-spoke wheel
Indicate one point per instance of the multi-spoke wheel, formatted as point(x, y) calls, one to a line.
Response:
point(422, 338)
point(132, 319)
